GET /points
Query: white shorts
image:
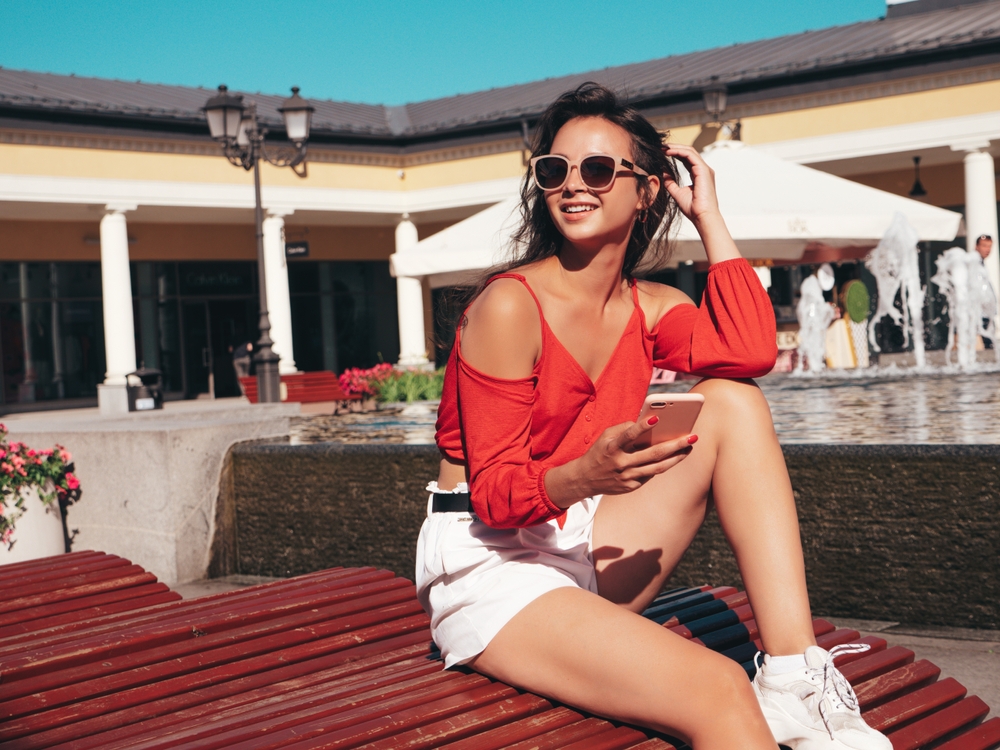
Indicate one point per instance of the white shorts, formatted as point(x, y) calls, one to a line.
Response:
point(472, 579)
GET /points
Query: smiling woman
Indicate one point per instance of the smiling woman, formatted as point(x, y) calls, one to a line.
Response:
point(548, 528)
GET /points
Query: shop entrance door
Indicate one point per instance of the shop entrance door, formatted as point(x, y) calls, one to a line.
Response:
point(212, 329)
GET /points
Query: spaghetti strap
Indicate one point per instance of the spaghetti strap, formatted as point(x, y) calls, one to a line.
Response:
point(524, 282)
point(635, 291)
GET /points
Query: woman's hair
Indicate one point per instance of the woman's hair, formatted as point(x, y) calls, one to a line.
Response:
point(537, 237)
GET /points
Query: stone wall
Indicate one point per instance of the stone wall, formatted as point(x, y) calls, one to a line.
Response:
point(150, 479)
point(890, 532)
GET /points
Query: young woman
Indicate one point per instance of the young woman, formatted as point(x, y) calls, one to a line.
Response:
point(547, 533)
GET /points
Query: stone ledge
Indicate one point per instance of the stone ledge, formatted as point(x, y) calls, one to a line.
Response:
point(918, 523)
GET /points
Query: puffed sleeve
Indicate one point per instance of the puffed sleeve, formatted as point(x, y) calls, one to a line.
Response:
point(507, 485)
point(732, 333)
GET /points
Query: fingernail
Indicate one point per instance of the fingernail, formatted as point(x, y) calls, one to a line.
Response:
point(692, 440)
point(652, 420)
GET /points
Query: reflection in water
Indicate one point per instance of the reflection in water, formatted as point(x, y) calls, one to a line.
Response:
point(926, 408)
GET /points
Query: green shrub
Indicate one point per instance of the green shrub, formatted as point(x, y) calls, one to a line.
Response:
point(410, 386)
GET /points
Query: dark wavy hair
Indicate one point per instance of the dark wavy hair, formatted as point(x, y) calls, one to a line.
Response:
point(537, 237)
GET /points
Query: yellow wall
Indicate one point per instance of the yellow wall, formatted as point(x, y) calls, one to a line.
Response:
point(937, 104)
point(945, 183)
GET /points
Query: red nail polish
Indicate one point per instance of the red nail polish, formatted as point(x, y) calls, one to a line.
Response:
point(652, 420)
point(692, 440)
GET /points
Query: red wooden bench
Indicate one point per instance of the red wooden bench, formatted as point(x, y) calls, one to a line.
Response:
point(95, 654)
point(321, 390)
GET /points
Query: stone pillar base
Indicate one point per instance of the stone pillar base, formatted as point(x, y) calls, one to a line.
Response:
point(112, 400)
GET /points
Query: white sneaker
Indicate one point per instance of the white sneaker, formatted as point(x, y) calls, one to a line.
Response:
point(815, 708)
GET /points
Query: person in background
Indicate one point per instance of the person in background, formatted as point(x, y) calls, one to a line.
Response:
point(984, 246)
point(243, 361)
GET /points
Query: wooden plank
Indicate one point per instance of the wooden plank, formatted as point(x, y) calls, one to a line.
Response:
point(892, 684)
point(30, 591)
point(531, 726)
point(70, 569)
point(914, 705)
point(984, 737)
point(874, 665)
point(254, 722)
point(562, 736)
point(937, 725)
point(332, 727)
point(87, 589)
point(173, 626)
point(130, 689)
point(470, 724)
point(24, 626)
point(615, 738)
point(238, 684)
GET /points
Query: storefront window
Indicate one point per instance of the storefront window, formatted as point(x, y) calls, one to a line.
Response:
point(51, 331)
point(343, 314)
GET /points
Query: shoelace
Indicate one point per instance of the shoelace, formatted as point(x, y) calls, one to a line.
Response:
point(841, 688)
point(832, 678)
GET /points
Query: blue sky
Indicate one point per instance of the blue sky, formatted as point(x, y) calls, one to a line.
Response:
point(387, 52)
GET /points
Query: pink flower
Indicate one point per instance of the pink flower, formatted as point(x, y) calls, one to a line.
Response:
point(3, 453)
point(64, 455)
point(7, 468)
point(31, 452)
point(72, 482)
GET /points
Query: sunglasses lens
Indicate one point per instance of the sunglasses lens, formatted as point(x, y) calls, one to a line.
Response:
point(597, 171)
point(550, 172)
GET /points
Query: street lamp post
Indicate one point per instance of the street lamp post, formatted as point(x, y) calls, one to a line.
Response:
point(234, 125)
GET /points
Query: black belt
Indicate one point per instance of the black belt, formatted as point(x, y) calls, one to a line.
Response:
point(451, 502)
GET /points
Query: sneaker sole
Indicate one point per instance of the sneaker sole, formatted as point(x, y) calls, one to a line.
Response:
point(791, 733)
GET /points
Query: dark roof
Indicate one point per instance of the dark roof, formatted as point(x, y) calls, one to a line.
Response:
point(836, 51)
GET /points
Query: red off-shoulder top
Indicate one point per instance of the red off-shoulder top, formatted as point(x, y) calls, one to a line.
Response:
point(511, 432)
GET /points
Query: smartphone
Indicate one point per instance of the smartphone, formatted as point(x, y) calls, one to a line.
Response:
point(677, 413)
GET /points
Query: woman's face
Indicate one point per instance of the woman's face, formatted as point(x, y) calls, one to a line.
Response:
point(588, 218)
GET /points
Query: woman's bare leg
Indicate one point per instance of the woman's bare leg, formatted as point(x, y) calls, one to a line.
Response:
point(581, 649)
point(640, 537)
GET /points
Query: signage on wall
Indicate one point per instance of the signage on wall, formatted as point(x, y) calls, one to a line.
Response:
point(297, 249)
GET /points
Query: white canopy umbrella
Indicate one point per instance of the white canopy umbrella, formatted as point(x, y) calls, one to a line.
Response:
point(457, 253)
point(774, 209)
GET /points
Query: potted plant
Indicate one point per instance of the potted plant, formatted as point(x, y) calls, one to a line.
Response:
point(35, 487)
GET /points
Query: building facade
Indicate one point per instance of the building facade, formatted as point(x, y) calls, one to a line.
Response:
point(126, 238)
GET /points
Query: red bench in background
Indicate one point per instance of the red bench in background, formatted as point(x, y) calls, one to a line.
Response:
point(95, 654)
point(318, 392)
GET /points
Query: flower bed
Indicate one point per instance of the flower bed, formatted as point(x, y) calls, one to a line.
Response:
point(49, 472)
point(387, 384)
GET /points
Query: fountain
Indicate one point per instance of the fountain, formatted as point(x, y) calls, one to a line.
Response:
point(815, 315)
point(963, 281)
point(894, 265)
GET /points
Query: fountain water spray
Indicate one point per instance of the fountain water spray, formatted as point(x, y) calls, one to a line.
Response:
point(894, 265)
point(962, 279)
point(815, 315)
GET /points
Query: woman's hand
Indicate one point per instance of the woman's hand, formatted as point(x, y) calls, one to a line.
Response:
point(700, 204)
point(612, 466)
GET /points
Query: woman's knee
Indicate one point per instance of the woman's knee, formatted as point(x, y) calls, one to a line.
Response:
point(732, 404)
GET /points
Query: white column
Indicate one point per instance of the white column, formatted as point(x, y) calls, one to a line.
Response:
point(116, 294)
point(279, 304)
point(410, 303)
point(981, 208)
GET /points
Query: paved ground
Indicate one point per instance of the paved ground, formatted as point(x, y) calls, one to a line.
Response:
point(970, 656)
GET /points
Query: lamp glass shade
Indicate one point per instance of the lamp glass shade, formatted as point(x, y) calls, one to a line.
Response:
point(297, 124)
point(297, 113)
point(224, 112)
point(242, 139)
point(715, 100)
